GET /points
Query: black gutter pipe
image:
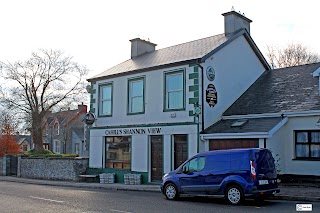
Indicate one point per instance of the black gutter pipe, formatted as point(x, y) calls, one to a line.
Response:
point(202, 98)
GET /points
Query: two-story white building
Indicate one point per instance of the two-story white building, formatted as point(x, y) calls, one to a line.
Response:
point(151, 109)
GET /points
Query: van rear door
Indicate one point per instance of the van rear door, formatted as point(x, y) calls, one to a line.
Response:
point(266, 170)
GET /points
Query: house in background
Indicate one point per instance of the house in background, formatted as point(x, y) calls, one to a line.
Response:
point(281, 112)
point(24, 141)
point(151, 108)
point(65, 132)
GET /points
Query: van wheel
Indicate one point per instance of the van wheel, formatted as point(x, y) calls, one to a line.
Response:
point(171, 192)
point(234, 195)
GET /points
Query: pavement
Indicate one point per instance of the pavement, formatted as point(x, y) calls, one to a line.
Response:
point(309, 192)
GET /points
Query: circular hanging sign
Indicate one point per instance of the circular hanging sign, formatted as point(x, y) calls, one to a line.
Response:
point(211, 74)
point(211, 95)
point(89, 118)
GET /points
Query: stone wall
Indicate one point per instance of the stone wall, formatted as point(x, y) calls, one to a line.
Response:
point(2, 166)
point(51, 168)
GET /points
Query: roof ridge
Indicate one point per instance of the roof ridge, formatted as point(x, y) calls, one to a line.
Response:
point(191, 41)
point(300, 65)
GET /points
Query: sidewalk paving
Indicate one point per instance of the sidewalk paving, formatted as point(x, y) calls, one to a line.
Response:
point(292, 191)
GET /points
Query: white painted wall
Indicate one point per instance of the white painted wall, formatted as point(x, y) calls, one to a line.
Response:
point(154, 96)
point(236, 67)
point(283, 144)
point(140, 147)
point(139, 150)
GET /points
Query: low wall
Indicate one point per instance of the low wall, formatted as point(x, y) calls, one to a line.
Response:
point(51, 168)
point(2, 166)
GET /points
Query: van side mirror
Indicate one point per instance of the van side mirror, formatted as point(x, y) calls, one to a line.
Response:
point(184, 169)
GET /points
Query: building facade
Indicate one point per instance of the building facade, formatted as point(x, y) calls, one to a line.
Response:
point(65, 132)
point(151, 109)
point(280, 111)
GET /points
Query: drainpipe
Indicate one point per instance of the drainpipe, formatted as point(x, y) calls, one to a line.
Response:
point(202, 98)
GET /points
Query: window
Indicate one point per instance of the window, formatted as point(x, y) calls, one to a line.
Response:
point(56, 128)
point(308, 144)
point(57, 147)
point(136, 95)
point(174, 90)
point(105, 100)
point(118, 152)
point(195, 165)
point(76, 148)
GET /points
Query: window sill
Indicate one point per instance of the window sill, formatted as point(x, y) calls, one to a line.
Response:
point(171, 110)
point(306, 159)
point(101, 116)
point(135, 113)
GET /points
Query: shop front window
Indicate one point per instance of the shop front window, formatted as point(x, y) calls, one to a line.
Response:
point(118, 152)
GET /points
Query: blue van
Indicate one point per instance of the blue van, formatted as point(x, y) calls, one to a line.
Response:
point(234, 173)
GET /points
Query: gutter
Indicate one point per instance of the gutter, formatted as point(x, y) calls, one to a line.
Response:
point(265, 135)
point(202, 98)
point(278, 114)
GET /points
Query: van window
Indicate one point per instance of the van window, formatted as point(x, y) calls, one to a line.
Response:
point(265, 163)
point(195, 165)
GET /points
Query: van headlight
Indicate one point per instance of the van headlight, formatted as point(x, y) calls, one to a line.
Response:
point(165, 175)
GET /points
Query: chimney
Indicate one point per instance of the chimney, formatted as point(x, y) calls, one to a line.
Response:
point(82, 108)
point(139, 47)
point(234, 21)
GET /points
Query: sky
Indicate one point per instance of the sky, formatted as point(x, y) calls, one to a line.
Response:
point(97, 32)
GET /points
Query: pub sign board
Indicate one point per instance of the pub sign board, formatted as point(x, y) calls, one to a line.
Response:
point(211, 95)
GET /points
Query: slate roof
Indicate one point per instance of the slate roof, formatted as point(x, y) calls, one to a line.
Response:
point(252, 125)
point(291, 89)
point(181, 53)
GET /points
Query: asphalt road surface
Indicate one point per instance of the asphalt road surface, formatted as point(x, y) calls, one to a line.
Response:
point(21, 197)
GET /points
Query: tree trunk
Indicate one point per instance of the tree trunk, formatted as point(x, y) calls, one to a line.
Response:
point(37, 133)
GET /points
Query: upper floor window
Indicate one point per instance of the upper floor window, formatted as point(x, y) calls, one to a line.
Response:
point(56, 128)
point(308, 144)
point(136, 96)
point(174, 90)
point(105, 99)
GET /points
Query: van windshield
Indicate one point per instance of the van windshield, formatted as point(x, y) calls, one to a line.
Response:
point(265, 164)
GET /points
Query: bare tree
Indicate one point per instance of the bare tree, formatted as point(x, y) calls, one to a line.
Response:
point(291, 55)
point(47, 81)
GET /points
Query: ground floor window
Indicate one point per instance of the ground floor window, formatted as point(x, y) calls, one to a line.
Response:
point(46, 146)
point(118, 152)
point(307, 144)
point(57, 146)
point(77, 148)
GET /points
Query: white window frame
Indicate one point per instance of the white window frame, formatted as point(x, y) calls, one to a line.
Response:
point(131, 97)
point(57, 147)
point(101, 101)
point(167, 91)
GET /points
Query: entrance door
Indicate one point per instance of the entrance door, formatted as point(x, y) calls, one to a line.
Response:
point(156, 158)
point(13, 165)
point(180, 150)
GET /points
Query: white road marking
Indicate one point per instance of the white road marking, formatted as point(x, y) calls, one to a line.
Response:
point(114, 210)
point(39, 198)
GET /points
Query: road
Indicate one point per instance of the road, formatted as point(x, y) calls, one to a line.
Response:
point(21, 197)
